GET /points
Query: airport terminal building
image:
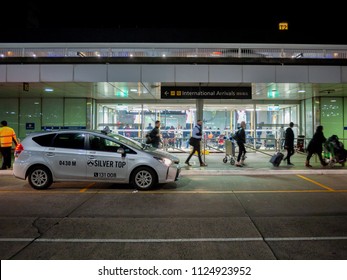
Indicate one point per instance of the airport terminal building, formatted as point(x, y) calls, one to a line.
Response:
point(128, 86)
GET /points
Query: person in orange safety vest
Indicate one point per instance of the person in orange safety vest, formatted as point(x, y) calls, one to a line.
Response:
point(7, 135)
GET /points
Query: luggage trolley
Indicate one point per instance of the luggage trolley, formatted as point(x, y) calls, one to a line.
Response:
point(229, 152)
point(334, 151)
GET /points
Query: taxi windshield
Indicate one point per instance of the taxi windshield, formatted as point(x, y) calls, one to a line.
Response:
point(125, 140)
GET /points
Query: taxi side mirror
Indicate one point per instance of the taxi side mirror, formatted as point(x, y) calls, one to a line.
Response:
point(121, 151)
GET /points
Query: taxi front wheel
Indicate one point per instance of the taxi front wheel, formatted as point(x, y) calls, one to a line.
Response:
point(40, 177)
point(143, 178)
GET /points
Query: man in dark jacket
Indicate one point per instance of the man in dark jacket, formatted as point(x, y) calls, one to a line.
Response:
point(289, 143)
point(155, 135)
point(196, 143)
point(241, 140)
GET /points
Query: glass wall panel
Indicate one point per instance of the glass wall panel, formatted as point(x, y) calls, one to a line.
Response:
point(9, 112)
point(52, 112)
point(303, 119)
point(75, 112)
point(332, 116)
point(91, 112)
point(309, 117)
point(30, 115)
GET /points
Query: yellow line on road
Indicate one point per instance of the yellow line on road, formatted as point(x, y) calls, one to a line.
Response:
point(100, 191)
point(87, 187)
point(316, 183)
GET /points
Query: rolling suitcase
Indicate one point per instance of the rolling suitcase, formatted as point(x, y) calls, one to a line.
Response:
point(276, 159)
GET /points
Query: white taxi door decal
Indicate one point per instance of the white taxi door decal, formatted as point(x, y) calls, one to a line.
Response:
point(106, 166)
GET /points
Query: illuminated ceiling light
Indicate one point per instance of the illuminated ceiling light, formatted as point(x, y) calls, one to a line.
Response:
point(251, 110)
point(2, 55)
point(301, 91)
point(131, 55)
point(121, 94)
point(48, 90)
point(133, 90)
point(34, 55)
point(273, 94)
point(163, 55)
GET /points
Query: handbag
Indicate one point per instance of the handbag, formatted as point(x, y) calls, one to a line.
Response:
point(148, 139)
point(191, 141)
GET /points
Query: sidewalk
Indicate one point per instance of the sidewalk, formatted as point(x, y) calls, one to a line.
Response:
point(257, 163)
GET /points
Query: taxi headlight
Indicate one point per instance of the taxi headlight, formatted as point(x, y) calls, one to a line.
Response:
point(165, 161)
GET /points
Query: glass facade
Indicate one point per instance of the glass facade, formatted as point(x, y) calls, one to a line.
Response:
point(332, 117)
point(264, 122)
point(220, 122)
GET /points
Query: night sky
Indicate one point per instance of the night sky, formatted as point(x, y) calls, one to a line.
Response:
point(173, 22)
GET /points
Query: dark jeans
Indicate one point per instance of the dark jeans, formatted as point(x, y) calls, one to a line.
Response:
point(242, 151)
point(290, 152)
point(155, 144)
point(6, 157)
point(196, 148)
point(319, 154)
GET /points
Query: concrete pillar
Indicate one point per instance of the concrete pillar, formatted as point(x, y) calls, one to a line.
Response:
point(199, 109)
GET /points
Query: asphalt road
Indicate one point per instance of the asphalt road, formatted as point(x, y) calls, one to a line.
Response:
point(286, 217)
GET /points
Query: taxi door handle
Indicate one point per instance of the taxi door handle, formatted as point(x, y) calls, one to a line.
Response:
point(50, 154)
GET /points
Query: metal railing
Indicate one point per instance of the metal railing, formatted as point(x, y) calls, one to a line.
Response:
point(147, 50)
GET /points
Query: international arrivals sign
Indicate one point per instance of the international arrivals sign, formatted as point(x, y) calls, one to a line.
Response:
point(172, 92)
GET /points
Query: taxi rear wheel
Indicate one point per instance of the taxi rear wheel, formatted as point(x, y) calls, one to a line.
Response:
point(40, 177)
point(143, 178)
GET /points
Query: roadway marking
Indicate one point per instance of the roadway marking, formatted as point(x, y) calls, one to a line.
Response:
point(316, 183)
point(173, 240)
point(87, 187)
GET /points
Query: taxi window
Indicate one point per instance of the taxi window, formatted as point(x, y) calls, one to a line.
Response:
point(98, 143)
point(69, 140)
point(44, 140)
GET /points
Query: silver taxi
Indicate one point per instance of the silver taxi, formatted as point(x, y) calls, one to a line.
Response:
point(79, 155)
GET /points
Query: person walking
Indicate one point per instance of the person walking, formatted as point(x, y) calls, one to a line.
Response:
point(289, 143)
point(7, 136)
point(241, 140)
point(155, 135)
point(178, 137)
point(281, 137)
point(315, 146)
point(196, 143)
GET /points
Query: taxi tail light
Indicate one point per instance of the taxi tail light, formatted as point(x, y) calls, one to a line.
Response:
point(19, 148)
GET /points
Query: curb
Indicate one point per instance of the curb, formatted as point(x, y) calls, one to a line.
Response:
point(261, 172)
